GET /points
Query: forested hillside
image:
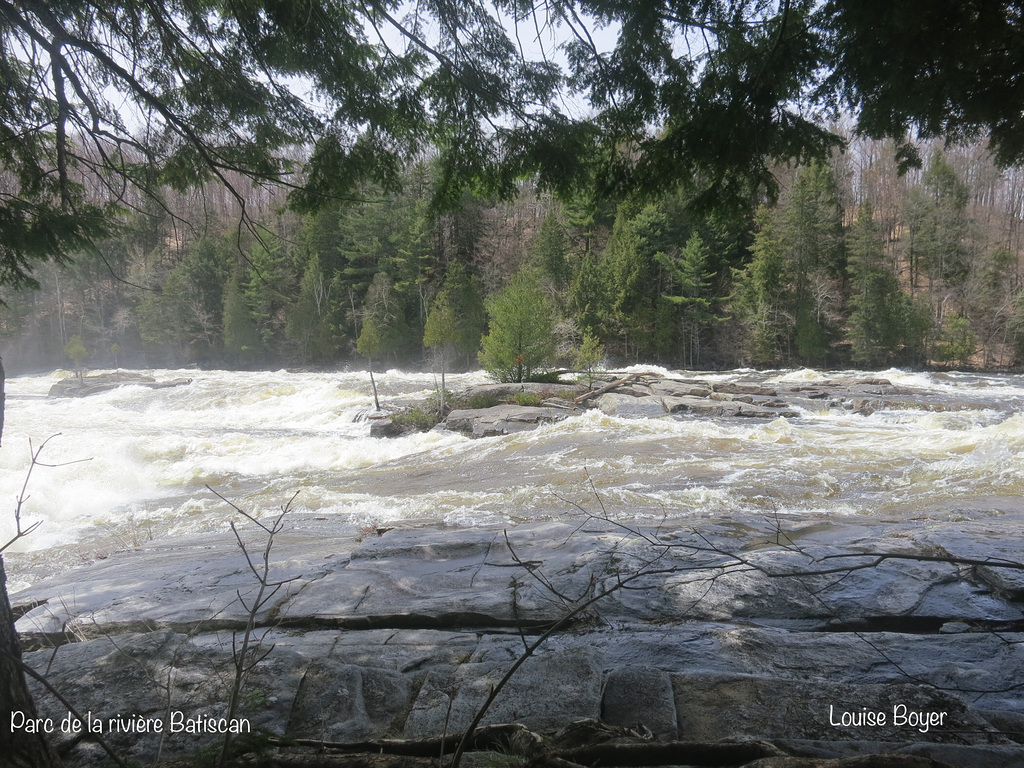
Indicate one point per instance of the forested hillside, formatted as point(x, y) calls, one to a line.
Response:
point(853, 264)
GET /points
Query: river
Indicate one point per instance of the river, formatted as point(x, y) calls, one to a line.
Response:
point(134, 463)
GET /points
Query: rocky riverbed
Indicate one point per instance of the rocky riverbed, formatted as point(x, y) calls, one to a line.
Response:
point(654, 395)
point(728, 623)
point(753, 631)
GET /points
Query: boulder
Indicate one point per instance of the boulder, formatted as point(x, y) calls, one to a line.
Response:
point(90, 385)
point(758, 411)
point(631, 407)
point(737, 388)
point(676, 388)
point(384, 426)
point(699, 406)
point(502, 419)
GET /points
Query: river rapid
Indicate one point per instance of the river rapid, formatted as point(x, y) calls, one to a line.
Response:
point(134, 463)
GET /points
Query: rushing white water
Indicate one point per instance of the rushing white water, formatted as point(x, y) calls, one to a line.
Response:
point(260, 437)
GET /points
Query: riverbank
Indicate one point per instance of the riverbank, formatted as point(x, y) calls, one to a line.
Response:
point(723, 631)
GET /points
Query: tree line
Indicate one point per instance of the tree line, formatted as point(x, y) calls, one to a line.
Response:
point(853, 264)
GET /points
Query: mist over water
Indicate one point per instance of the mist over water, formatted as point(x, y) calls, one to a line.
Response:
point(260, 437)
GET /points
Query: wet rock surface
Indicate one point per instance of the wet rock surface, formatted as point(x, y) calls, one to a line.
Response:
point(702, 635)
point(83, 386)
point(653, 395)
point(503, 419)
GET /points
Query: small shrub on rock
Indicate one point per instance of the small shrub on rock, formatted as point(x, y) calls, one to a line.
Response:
point(527, 398)
point(476, 402)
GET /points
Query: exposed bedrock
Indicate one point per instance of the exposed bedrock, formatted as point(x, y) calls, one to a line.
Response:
point(701, 636)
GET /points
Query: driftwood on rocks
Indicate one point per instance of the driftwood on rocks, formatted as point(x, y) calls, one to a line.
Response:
point(609, 387)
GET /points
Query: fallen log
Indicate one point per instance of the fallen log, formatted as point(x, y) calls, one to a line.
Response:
point(607, 387)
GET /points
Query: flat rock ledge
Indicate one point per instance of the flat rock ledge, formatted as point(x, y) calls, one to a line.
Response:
point(703, 638)
point(83, 386)
point(652, 395)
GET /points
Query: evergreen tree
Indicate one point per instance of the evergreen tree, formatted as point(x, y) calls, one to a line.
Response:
point(989, 297)
point(441, 335)
point(370, 345)
point(311, 317)
point(762, 295)
point(549, 252)
point(184, 319)
point(588, 296)
point(265, 288)
point(206, 266)
point(76, 350)
point(635, 280)
point(241, 338)
point(940, 231)
point(162, 317)
point(958, 341)
point(691, 295)
point(810, 228)
point(383, 305)
point(520, 343)
point(588, 355)
point(879, 308)
point(470, 312)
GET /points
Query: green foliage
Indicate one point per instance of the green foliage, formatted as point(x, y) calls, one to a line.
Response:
point(692, 295)
point(811, 235)
point(527, 398)
point(419, 417)
point(918, 326)
point(371, 342)
point(936, 213)
point(383, 313)
point(904, 67)
point(311, 318)
point(788, 298)
point(520, 344)
point(183, 319)
point(480, 401)
point(958, 342)
point(214, 78)
point(588, 355)
point(241, 337)
point(811, 225)
point(468, 307)
point(762, 295)
point(162, 316)
point(75, 350)
point(545, 377)
point(441, 331)
point(878, 320)
point(588, 295)
point(631, 256)
point(549, 252)
point(810, 336)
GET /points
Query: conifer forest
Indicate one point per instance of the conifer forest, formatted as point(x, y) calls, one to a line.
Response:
point(696, 184)
point(852, 264)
